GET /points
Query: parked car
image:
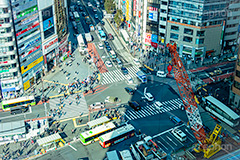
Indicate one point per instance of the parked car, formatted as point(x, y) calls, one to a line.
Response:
point(176, 120)
point(161, 74)
point(124, 70)
point(110, 36)
point(129, 90)
point(111, 99)
point(134, 105)
point(102, 22)
point(108, 64)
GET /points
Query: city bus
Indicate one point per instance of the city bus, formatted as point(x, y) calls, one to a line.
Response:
point(102, 35)
point(116, 136)
point(221, 111)
point(98, 121)
point(92, 135)
point(21, 101)
point(81, 43)
point(76, 16)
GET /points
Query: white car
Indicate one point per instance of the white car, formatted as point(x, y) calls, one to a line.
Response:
point(97, 105)
point(108, 64)
point(158, 105)
point(136, 61)
point(149, 97)
point(100, 46)
point(96, 16)
point(179, 134)
point(129, 80)
point(111, 99)
point(89, 4)
point(161, 74)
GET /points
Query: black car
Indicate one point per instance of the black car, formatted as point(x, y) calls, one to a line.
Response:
point(102, 22)
point(108, 48)
point(134, 105)
point(81, 8)
point(129, 90)
point(124, 70)
point(106, 43)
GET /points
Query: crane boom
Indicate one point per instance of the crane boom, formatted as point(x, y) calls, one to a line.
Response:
point(187, 95)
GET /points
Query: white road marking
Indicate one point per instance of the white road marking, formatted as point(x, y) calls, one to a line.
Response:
point(73, 148)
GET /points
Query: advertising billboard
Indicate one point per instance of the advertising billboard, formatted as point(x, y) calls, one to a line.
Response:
point(48, 22)
point(153, 14)
point(134, 7)
point(154, 40)
point(148, 39)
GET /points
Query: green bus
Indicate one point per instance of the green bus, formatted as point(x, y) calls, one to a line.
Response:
point(92, 135)
point(21, 101)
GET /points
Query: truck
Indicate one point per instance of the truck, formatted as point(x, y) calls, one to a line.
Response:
point(142, 76)
point(148, 149)
point(88, 37)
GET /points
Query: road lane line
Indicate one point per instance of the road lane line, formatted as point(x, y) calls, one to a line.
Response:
point(157, 135)
point(171, 140)
point(73, 147)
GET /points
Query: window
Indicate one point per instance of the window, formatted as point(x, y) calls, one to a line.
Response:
point(174, 36)
point(200, 33)
point(188, 31)
point(174, 28)
point(237, 85)
point(238, 73)
point(187, 39)
point(200, 41)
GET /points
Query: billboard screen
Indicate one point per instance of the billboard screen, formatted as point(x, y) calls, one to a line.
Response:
point(148, 39)
point(48, 22)
point(153, 14)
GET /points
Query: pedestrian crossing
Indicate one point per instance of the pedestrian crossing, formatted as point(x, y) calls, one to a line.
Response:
point(69, 110)
point(117, 75)
point(150, 109)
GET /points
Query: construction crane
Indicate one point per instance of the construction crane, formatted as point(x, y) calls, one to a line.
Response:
point(209, 146)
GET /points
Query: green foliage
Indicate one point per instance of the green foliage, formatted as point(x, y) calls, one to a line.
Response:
point(118, 17)
point(109, 6)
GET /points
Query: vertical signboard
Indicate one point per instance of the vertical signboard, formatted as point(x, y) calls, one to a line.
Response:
point(153, 14)
point(48, 22)
point(148, 39)
point(134, 7)
point(154, 41)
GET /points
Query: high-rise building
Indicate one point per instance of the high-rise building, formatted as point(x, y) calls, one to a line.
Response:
point(34, 39)
point(10, 75)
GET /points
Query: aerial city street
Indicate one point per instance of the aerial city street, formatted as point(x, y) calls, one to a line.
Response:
point(109, 80)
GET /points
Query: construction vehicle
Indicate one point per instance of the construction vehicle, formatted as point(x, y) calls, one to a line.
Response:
point(208, 145)
point(148, 149)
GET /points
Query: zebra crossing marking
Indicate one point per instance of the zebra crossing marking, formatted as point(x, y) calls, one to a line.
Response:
point(117, 75)
point(150, 109)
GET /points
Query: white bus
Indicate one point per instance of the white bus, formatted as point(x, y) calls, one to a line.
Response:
point(21, 101)
point(221, 111)
point(81, 43)
point(98, 121)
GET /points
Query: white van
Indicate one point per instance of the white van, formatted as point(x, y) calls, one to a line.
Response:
point(179, 134)
point(99, 28)
point(119, 62)
point(97, 105)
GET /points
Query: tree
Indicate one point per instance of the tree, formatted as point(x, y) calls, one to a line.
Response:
point(118, 17)
point(109, 6)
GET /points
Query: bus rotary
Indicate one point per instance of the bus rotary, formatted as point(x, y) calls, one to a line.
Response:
point(116, 136)
point(92, 135)
point(21, 101)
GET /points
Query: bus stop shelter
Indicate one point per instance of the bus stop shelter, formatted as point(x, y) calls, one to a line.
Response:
point(51, 142)
point(98, 121)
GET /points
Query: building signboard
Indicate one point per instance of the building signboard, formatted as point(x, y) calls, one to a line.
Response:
point(28, 44)
point(50, 45)
point(134, 7)
point(154, 40)
point(47, 24)
point(148, 39)
point(153, 14)
point(25, 12)
point(31, 51)
point(35, 24)
point(27, 20)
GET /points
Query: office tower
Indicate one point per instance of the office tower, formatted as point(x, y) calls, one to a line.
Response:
point(39, 42)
